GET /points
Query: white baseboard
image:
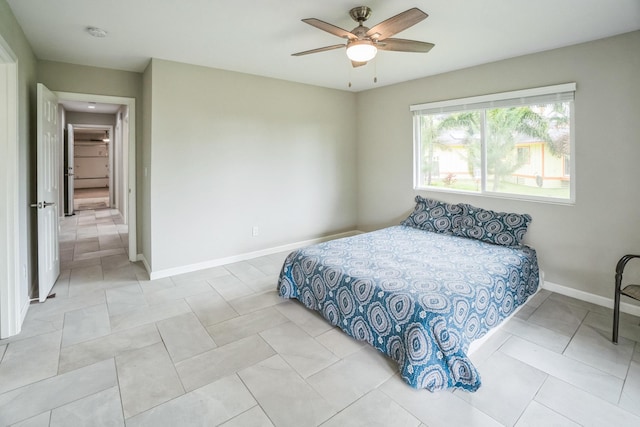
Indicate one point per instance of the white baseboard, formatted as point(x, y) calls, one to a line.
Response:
point(592, 298)
point(153, 275)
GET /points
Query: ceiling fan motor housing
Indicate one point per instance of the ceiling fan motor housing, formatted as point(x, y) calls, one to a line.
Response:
point(361, 32)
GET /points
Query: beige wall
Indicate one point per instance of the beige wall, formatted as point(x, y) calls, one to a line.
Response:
point(14, 37)
point(578, 246)
point(230, 151)
point(64, 77)
point(78, 118)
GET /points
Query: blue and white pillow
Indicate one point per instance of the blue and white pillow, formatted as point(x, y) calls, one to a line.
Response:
point(434, 215)
point(499, 228)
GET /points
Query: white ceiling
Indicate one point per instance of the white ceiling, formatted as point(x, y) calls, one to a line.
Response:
point(258, 37)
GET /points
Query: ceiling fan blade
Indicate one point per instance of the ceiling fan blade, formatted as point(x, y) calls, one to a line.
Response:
point(397, 23)
point(330, 28)
point(320, 49)
point(402, 45)
point(356, 64)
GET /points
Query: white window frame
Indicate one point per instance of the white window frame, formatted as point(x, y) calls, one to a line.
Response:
point(548, 94)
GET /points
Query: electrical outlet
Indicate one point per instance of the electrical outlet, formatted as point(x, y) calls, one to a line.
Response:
point(255, 231)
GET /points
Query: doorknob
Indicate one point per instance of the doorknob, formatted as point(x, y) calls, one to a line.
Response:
point(42, 205)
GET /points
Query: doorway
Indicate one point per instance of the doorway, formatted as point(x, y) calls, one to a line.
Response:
point(102, 117)
point(13, 275)
point(89, 183)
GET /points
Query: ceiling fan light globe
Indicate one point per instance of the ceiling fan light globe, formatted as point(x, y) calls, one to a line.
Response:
point(361, 51)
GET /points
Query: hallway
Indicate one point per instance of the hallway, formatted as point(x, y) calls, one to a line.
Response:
point(94, 243)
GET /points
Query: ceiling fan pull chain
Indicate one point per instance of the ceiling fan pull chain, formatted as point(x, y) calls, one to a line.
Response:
point(375, 70)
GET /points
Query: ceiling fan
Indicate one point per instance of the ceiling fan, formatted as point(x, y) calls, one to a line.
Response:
point(363, 43)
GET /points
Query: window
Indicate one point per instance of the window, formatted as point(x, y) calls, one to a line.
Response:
point(524, 155)
point(514, 144)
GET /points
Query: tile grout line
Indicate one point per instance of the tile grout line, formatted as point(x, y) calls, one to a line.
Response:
point(254, 397)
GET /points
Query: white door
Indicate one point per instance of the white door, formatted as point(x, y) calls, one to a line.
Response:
point(47, 188)
point(69, 172)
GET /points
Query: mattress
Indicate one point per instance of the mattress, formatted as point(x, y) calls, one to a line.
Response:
point(417, 296)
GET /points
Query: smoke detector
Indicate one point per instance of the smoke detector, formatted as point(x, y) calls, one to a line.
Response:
point(97, 32)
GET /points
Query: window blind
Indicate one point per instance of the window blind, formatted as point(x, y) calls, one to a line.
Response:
point(540, 95)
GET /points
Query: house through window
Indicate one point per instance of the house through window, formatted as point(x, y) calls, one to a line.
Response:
point(514, 144)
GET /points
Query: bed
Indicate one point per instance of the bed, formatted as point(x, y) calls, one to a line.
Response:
point(418, 292)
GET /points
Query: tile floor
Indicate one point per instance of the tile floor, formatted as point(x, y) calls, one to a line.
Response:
point(90, 198)
point(218, 347)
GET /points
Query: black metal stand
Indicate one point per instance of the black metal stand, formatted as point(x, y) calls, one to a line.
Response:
point(632, 291)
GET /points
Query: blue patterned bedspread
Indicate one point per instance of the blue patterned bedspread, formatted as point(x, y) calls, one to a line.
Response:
point(419, 297)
